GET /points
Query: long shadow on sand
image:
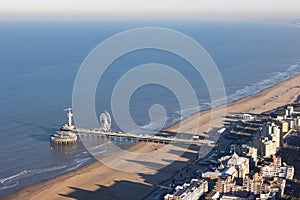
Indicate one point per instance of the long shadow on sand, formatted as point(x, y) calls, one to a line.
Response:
point(127, 189)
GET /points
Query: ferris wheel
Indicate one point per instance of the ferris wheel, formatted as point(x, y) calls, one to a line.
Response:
point(105, 121)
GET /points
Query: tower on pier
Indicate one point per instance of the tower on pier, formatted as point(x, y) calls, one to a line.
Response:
point(70, 125)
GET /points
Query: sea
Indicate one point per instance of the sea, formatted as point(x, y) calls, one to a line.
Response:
point(39, 61)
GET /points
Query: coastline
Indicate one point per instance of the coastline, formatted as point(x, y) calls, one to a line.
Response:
point(271, 98)
point(97, 180)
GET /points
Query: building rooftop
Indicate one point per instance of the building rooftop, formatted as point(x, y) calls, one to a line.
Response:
point(230, 171)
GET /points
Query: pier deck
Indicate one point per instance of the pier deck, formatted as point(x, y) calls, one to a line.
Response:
point(143, 137)
point(105, 120)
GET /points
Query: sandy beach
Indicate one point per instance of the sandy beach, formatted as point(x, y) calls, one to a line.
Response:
point(97, 181)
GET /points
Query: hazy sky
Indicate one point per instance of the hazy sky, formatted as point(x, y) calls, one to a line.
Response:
point(153, 9)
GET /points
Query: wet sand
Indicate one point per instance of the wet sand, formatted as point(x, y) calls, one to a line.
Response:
point(97, 181)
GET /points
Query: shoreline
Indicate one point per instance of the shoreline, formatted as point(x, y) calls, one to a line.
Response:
point(283, 92)
point(237, 101)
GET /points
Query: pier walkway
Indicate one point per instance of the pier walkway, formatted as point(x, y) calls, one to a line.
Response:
point(143, 137)
point(105, 121)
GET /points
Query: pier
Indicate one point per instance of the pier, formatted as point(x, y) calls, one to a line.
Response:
point(64, 137)
point(105, 131)
point(143, 137)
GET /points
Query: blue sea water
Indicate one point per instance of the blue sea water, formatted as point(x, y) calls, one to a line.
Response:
point(39, 61)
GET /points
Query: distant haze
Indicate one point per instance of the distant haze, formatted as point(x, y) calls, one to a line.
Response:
point(154, 9)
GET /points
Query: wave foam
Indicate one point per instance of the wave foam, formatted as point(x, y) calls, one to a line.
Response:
point(12, 181)
point(275, 78)
point(79, 163)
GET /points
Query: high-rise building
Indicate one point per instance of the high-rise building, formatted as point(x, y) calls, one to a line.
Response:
point(250, 153)
point(286, 172)
point(297, 123)
point(193, 190)
point(289, 111)
point(268, 142)
point(266, 147)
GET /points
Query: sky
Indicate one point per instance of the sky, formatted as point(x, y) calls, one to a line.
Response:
point(150, 9)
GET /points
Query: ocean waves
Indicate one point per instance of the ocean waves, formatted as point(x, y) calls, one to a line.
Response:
point(273, 79)
point(13, 180)
point(236, 93)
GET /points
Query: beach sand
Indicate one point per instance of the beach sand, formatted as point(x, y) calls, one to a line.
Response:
point(97, 181)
